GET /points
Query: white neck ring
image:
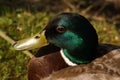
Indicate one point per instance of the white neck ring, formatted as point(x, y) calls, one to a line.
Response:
point(70, 63)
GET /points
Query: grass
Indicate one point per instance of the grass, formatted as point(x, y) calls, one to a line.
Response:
point(13, 64)
point(20, 24)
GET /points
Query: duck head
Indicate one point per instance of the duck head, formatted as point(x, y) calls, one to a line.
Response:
point(71, 32)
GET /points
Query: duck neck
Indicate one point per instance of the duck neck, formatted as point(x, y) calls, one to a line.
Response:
point(74, 58)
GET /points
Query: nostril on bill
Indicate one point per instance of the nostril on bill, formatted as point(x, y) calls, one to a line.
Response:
point(36, 37)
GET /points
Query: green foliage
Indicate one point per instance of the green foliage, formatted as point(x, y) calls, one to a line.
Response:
point(107, 32)
point(18, 25)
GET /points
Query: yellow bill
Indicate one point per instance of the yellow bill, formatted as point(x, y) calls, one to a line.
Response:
point(37, 41)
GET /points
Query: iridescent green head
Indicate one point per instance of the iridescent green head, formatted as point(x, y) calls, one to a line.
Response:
point(72, 33)
point(75, 35)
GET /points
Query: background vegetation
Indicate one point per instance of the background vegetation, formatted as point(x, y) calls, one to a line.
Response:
point(23, 18)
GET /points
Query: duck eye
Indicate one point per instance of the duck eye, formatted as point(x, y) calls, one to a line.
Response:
point(60, 29)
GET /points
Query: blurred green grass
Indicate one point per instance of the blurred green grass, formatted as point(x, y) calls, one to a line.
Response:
point(19, 24)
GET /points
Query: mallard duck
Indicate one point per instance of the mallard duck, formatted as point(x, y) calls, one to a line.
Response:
point(69, 50)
